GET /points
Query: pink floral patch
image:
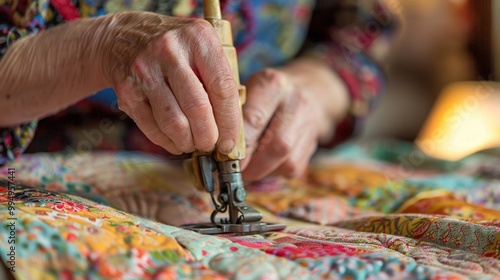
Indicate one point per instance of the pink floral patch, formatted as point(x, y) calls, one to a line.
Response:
point(68, 206)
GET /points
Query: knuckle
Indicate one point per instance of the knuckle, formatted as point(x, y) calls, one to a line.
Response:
point(144, 81)
point(256, 117)
point(197, 108)
point(282, 146)
point(302, 97)
point(167, 41)
point(174, 126)
point(131, 98)
point(201, 26)
point(293, 169)
point(299, 102)
point(140, 62)
point(224, 87)
point(274, 77)
point(170, 48)
point(271, 83)
point(203, 40)
point(138, 66)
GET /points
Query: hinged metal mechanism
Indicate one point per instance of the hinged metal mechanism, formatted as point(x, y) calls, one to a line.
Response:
point(240, 218)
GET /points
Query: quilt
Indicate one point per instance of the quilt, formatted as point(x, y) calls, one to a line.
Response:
point(366, 210)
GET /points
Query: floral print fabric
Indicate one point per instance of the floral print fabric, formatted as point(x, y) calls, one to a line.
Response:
point(13, 141)
point(353, 216)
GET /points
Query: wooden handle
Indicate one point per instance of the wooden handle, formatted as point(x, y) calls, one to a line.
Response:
point(212, 13)
point(211, 9)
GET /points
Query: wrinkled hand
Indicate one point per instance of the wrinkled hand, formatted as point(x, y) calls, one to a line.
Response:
point(282, 126)
point(172, 78)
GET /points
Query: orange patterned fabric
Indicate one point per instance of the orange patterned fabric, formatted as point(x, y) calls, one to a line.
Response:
point(348, 218)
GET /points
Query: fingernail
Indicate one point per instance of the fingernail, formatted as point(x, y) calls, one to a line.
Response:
point(226, 146)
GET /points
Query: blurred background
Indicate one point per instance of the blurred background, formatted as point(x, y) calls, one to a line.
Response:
point(441, 42)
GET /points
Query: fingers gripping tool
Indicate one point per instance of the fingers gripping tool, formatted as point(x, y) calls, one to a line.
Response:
point(220, 174)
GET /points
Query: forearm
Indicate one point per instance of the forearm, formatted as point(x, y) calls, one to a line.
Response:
point(44, 73)
point(331, 94)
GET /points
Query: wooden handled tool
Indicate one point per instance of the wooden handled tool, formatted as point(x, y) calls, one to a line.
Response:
point(231, 198)
point(212, 13)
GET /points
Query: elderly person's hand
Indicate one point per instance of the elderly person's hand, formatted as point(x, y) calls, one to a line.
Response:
point(170, 76)
point(288, 112)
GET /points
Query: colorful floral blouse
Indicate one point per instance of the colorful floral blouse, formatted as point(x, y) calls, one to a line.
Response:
point(267, 33)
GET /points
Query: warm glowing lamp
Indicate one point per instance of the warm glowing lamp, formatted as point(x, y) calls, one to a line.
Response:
point(464, 120)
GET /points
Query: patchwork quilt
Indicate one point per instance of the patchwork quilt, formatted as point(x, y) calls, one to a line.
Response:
point(366, 210)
